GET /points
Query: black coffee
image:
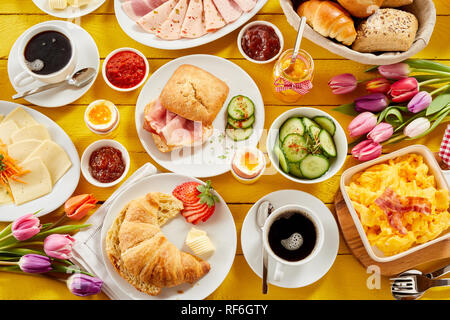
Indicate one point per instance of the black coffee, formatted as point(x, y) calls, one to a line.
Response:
point(293, 236)
point(48, 52)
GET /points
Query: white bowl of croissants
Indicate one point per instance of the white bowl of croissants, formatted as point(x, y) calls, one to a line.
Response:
point(376, 32)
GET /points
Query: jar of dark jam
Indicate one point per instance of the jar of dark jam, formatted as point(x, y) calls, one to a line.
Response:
point(260, 42)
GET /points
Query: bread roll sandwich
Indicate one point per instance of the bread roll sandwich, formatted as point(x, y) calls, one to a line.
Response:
point(183, 114)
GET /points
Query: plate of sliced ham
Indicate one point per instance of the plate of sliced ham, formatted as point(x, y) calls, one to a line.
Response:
point(213, 155)
point(181, 24)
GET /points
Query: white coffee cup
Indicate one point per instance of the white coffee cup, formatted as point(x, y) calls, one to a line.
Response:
point(287, 211)
point(27, 76)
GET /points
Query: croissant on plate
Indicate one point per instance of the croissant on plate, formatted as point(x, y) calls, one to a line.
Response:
point(329, 19)
point(143, 255)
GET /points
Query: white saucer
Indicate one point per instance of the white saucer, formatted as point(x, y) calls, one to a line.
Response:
point(303, 275)
point(69, 12)
point(87, 56)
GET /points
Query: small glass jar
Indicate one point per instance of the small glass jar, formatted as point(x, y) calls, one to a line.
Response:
point(291, 87)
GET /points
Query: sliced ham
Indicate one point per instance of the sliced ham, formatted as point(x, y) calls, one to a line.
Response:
point(213, 19)
point(152, 20)
point(228, 9)
point(171, 27)
point(135, 9)
point(246, 5)
point(193, 24)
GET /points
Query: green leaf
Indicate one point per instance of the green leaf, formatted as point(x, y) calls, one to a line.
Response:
point(394, 117)
point(372, 68)
point(61, 229)
point(427, 64)
point(438, 103)
point(348, 109)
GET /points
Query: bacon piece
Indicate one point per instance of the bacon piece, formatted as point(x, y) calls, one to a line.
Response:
point(395, 206)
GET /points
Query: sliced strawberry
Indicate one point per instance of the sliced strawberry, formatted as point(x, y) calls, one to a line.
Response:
point(209, 214)
point(194, 206)
point(187, 192)
point(187, 213)
point(196, 216)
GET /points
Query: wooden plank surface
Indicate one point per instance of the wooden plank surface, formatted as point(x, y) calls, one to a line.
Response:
point(347, 278)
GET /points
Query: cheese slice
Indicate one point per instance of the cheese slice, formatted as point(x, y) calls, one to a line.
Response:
point(37, 131)
point(20, 150)
point(21, 118)
point(7, 129)
point(199, 242)
point(5, 198)
point(54, 158)
point(36, 183)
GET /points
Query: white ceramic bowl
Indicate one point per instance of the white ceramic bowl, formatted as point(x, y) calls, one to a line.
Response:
point(442, 181)
point(259, 22)
point(147, 69)
point(340, 141)
point(87, 154)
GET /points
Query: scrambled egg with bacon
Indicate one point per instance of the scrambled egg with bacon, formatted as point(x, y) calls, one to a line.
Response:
point(395, 230)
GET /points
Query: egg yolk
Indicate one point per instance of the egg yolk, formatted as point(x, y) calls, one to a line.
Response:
point(249, 161)
point(100, 114)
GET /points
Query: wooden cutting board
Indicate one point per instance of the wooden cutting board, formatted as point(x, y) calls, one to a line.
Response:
point(438, 253)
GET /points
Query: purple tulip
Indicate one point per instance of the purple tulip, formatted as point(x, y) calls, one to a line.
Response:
point(366, 150)
point(343, 83)
point(35, 263)
point(59, 246)
point(381, 132)
point(362, 124)
point(25, 227)
point(395, 71)
point(83, 285)
point(419, 102)
point(374, 102)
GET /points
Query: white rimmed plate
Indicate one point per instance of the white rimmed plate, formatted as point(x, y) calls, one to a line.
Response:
point(87, 56)
point(69, 12)
point(298, 276)
point(214, 156)
point(133, 30)
point(63, 188)
point(220, 228)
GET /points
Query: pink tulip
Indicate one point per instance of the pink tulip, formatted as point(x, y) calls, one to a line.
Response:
point(362, 124)
point(26, 227)
point(378, 85)
point(394, 71)
point(417, 127)
point(59, 246)
point(419, 102)
point(403, 90)
point(381, 132)
point(366, 150)
point(343, 83)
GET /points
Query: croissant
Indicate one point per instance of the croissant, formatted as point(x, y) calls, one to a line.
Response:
point(329, 19)
point(142, 254)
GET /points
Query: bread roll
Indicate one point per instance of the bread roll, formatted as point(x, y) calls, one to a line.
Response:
point(386, 30)
point(361, 8)
point(329, 19)
point(396, 3)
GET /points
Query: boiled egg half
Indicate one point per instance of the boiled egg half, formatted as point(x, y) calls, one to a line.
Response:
point(248, 163)
point(101, 116)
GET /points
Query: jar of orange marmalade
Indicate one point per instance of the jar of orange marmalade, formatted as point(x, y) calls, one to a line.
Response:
point(291, 85)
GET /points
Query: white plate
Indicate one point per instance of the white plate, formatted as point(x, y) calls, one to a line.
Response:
point(220, 228)
point(87, 56)
point(69, 12)
point(63, 188)
point(214, 156)
point(137, 33)
point(299, 276)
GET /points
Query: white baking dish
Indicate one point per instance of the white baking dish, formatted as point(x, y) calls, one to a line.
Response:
point(442, 181)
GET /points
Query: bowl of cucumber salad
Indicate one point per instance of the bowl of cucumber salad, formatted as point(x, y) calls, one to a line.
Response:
point(307, 145)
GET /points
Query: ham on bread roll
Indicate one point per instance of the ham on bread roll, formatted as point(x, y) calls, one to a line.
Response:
point(183, 114)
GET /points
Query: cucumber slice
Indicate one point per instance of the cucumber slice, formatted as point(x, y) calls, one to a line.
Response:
point(294, 169)
point(308, 123)
point(241, 108)
point(327, 144)
point(281, 159)
point(241, 124)
point(294, 147)
point(326, 123)
point(314, 132)
point(291, 125)
point(314, 166)
point(238, 134)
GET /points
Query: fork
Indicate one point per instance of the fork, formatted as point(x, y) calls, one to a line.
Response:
point(414, 284)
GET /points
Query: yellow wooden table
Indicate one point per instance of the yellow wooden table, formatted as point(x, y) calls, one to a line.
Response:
point(347, 278)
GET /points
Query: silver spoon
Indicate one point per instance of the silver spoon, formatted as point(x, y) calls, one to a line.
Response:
point(294, 55)
point(264, 209)
point(79, 79)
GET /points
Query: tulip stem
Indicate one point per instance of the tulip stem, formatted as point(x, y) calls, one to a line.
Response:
point(432, 71)
point(22, 244)
point(58, 222)
point(8, 263)
point(431, 81)
point(443, 88)
point(394, 139)
point(6, 237)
